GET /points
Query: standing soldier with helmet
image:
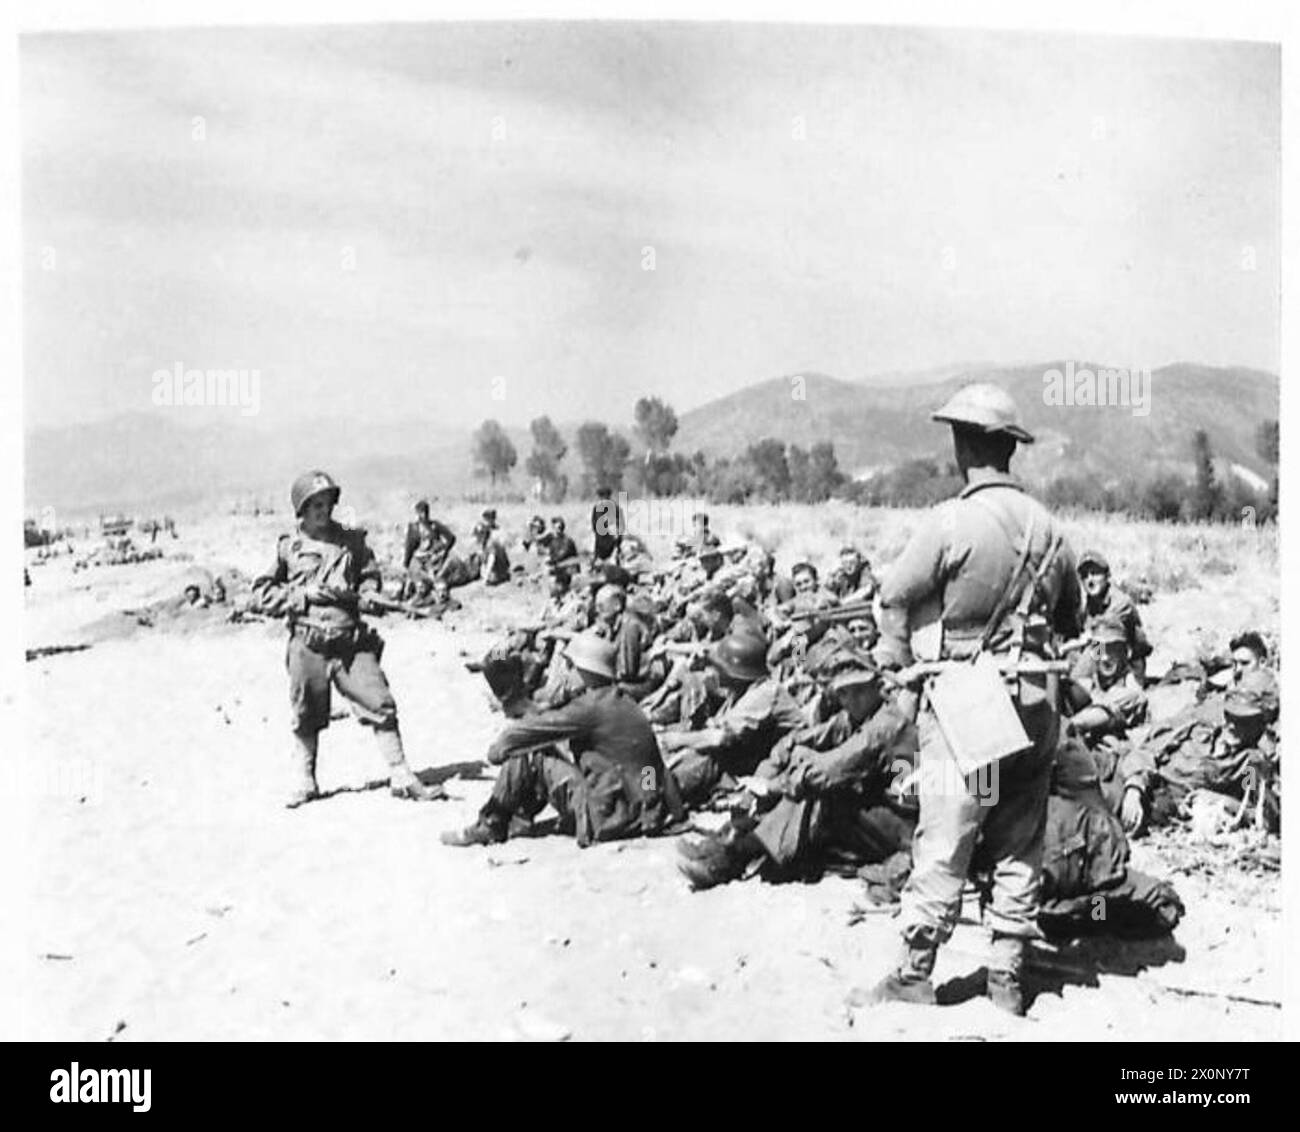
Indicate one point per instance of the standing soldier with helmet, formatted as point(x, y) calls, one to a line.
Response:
point(322, 581)
point(994, 578)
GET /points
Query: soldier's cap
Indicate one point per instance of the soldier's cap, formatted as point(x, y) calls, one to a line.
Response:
point(1094, 559)
point(1253, 696)
point(422, 505)
point(985, 406)
point(854, 676)
point(849, 548)
point(591, 653)
point(1108, 631)
point(828, 658)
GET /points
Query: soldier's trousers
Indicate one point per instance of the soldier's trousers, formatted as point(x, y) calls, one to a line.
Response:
point(354, 672)
point(592, 808)
point(841, 824)
point(527, 784)
point(1009, 831)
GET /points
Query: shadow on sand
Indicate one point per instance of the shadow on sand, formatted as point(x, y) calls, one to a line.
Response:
point(1075, 962)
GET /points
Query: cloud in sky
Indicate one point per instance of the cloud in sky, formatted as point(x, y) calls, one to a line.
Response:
point(384, 219)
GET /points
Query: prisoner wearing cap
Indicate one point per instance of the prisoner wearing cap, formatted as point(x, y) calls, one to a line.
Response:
point(854, 676)
point(1254, 696)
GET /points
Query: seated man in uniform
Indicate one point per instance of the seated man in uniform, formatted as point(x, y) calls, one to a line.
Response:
point(1106, 601)
point(755, 712)
point(428, 542)
point(825, 794)
point(562, 551)
point(1234, 756)
point(614, 785)
point(852, 580)
point(1088, 885)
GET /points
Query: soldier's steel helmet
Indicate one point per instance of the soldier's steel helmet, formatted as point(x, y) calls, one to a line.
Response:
point(309, 484)
point(592, 654)
point(741, 656)
point(986, 406)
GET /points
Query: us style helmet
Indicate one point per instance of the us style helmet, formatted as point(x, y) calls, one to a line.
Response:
point(985, 406)
point(309, 484)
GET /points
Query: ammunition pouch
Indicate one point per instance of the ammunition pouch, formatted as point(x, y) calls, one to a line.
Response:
point(338, 640)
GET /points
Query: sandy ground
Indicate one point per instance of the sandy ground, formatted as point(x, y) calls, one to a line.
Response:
point(171, 897)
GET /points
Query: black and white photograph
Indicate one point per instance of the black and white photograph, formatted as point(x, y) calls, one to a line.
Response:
point(650, 529)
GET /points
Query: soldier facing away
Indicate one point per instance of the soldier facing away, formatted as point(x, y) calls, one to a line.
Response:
point(997, 570)
point(322, 581)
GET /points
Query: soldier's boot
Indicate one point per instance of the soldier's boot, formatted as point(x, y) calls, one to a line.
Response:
point(402, 782)
point(482, 832)
point(910, 980)
point(492, 828)
point(1006, 973)
point(304, 769)
point(714, 860)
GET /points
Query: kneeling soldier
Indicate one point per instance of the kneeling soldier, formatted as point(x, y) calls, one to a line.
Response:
point(322, 581)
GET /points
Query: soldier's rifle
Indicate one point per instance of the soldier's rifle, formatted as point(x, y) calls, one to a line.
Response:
point(1029, 666)
point(831, 615)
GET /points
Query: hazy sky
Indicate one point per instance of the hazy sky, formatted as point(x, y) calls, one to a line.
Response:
point(383, 220)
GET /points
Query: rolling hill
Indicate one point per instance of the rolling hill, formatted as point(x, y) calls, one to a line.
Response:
point(875, 425)
point(163, 459)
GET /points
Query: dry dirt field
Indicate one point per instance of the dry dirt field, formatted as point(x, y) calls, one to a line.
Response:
point(169, 896)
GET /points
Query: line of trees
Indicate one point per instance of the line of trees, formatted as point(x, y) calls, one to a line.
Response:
point(773, 471)
point(769, 470)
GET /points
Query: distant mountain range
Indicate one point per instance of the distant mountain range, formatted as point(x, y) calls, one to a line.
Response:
point(165, 459)
point(877, 424)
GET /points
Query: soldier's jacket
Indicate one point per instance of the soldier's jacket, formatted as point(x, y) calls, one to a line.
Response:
point(340, 559)
point(615, 748)
point(491, 562)
point(962, 558)
point(870, 759)
point(1086, 880)
point(1124, 701)
point(1116, 606)
point(561, 548)
point(751, 724)
point(428, 541)
point(632, 663)
point(572, 611)
point(860, 585)
point(1192, 753)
